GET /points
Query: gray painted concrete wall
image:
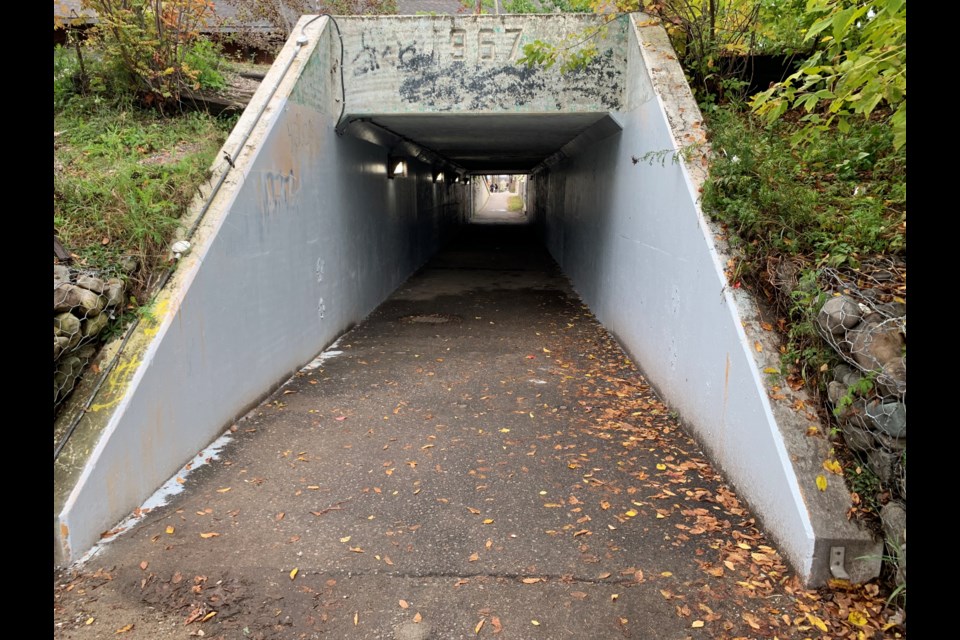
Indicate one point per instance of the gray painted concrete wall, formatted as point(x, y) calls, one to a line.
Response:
point(305, 239)
point(623, 221)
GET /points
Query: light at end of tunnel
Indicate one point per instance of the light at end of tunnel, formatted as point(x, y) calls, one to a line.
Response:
point(396, 167)
point(437, 175)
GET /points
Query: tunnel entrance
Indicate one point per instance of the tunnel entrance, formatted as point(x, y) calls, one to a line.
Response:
point(368, 153)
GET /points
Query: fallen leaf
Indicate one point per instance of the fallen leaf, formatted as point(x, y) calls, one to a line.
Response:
point(631, 513)
point(476, 630)
point(388, 560)
point(535, 623)
point(579, 595)
point(169, 529)
point(666, 574)
point(404, 604)
point(488, 521)
point(475, 512)
point(696, 624)
point(821, 483)
point(124, 629)
point(857, 618)
point(180, 480)
point(531, 580)
point(758, 347)
point(345, 539)
point(751, 620)
point(144, 565)
point(356, 618)
point(208, 616)
point(209, 534)
point(356, 549)
point(604, 576)
point(88, 621)
point(833, 466)
point(293, 573)
point(614, 596)
point(417, 618)
point(817, 622)
point(473, 557)
point(224, 490)
point(497, 627)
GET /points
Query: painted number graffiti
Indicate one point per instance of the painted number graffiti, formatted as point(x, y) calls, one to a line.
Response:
point(490, 45)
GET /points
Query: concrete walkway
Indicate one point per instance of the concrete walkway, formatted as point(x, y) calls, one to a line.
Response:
point(481, 460)
point(496, 210)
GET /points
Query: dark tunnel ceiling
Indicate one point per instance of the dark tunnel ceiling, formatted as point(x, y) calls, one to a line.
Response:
point(486, 143)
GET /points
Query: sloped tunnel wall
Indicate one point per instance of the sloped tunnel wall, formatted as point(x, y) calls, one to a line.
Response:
point(306, 237)
point(622, 221)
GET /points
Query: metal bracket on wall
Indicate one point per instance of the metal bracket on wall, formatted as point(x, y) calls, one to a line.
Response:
point(836, 563)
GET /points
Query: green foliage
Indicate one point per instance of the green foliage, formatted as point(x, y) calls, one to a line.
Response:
point(203, 60)
point(858, 389)
point(840, 197)
point(548, 6)
point(859, 65)
point(123, 177)
point(150, 41)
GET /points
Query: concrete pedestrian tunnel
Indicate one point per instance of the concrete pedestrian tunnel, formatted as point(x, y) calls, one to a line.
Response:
point(351, 167)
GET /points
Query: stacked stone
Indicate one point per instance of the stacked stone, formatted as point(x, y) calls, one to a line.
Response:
point(874, 424)
point(82, 308)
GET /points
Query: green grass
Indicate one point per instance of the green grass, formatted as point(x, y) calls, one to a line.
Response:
point(514, 203)
point(123, 176)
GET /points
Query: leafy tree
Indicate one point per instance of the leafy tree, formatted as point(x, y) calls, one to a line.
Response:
point(859, 65)
point(155, 44)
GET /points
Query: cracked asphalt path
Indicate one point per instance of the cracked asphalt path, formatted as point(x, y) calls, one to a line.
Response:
point(480, 461)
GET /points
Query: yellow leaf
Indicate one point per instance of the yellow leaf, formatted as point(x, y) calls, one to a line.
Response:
point(208, 616)
point(661, 466)
point(170, 529)
point(771, 370)
point(488, 521)
point(821, 483)
point(857, 618)
point(631, 513)
point(473, 557)
point(224, 490)
point(126, 628)
point(666, 574)
point(535, 623)
point(504, 430)
point(479, 626)
point(293, 573)
point(180, 480)
point(209, 534)
point(356, 618)
point(545, 350)
point(614, 596)
point(697, 624)
point(817, 622)
point(345, 539)
point(404, 604)
point(758, 347)
point(89, 621)
point(833, 466)
point(356, 549)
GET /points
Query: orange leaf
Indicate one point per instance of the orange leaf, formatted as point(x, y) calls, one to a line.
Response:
point(417, 618)
point(210, 534)
point(124, 629)
point(531, 580)
point(404, 604)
